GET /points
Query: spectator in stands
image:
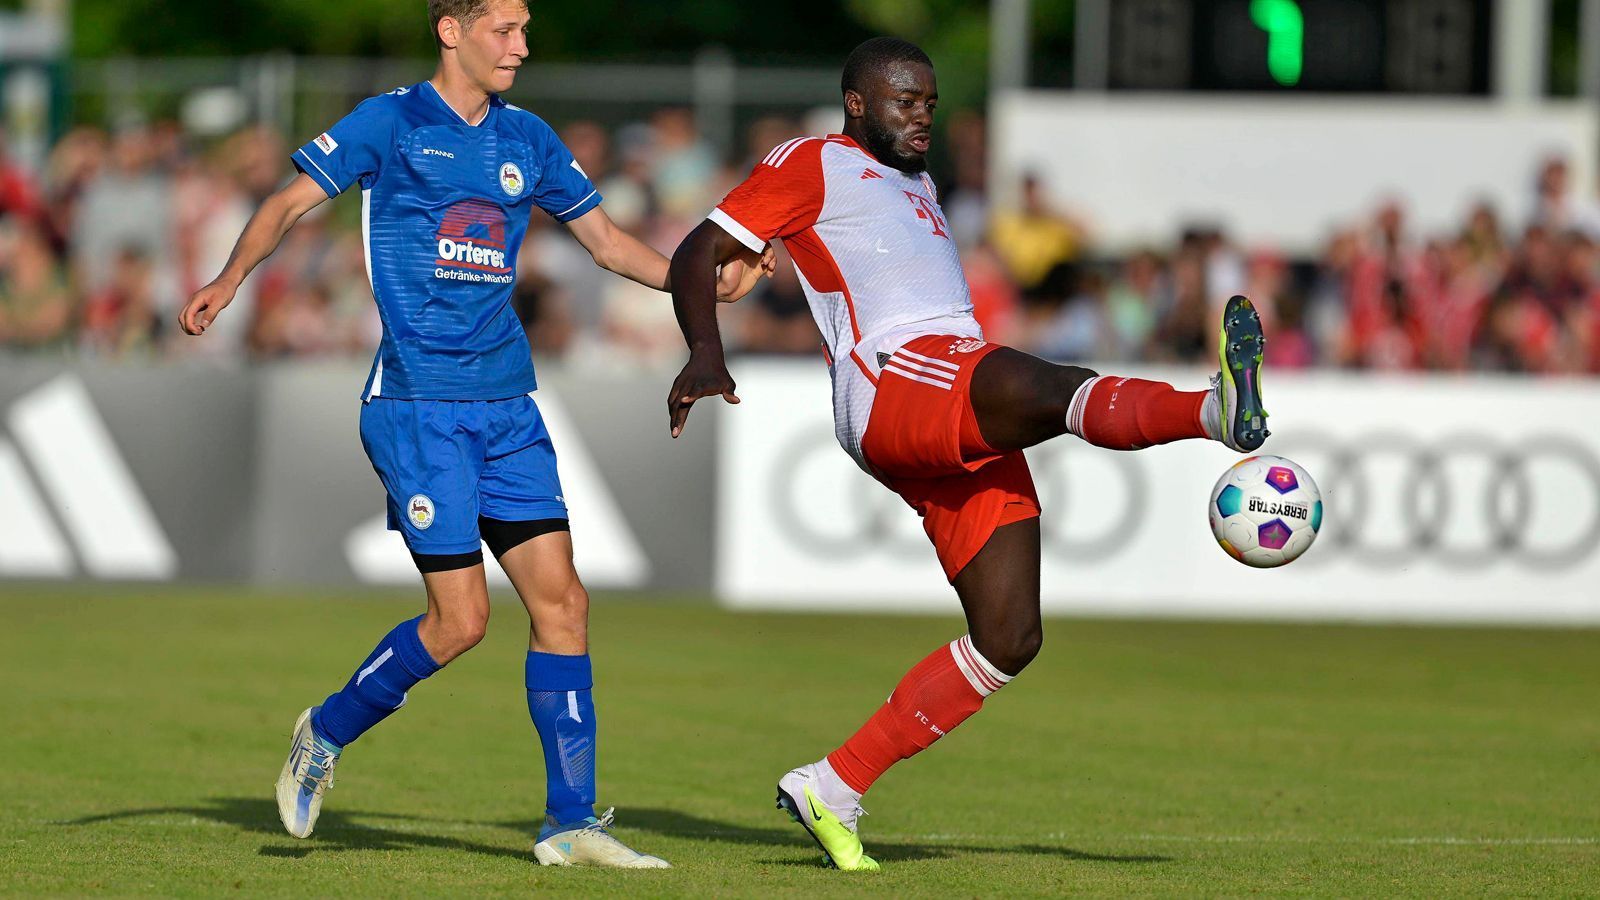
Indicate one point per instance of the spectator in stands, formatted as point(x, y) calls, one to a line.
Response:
point(35, 307)
point(1132, 302)
point(1557, 206)
point(75, 161)
point(123, 222)
point(1035, 239)
point(119, 318)
point(19, 194)
point(302, 325)
point(1184, 328)
point(684, 164)
point(996, 303)
point(213, 197)
point(1079, 330)
point(777, 318)
point(966, 199)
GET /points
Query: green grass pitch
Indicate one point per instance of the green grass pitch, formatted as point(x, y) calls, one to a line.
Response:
point(143, 731)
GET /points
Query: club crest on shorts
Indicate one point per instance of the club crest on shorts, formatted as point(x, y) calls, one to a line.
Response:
point(419, 509)
point(511, 180)
point(967, 345)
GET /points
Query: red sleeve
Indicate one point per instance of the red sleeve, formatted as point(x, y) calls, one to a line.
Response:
point(781, 198)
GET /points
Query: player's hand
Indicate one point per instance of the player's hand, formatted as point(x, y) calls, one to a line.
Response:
point(203, 307)
point(740, 274)
point(705, 375)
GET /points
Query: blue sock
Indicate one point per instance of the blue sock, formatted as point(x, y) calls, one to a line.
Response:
point(561, 702)
point(378, 687)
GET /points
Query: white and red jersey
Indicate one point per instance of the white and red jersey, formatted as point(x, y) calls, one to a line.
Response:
point(873, 251)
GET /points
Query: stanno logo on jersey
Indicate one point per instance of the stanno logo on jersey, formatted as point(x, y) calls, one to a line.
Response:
point(419, 509)
point(511, 180)
point(326, 143)
point(472, 244)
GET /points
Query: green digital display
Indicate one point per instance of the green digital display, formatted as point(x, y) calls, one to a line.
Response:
point(1286, 38)
point(1307, 46)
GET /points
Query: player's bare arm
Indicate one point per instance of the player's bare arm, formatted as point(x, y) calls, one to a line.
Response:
point(261, 236)
point(618, 251)
point(693, 277)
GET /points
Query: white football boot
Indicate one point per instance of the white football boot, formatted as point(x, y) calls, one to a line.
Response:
point(306, 776)
point(590, 844)
point(831, 824)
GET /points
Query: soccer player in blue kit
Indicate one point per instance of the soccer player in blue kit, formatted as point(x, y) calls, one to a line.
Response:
point(449, 175)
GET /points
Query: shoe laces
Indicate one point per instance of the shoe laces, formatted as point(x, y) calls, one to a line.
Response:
point(601, 824)
point(318, 759)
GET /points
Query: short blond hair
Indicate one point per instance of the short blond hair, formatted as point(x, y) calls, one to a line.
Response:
point(464, 11)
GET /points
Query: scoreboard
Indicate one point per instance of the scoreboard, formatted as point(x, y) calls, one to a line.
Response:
point(1341, 46)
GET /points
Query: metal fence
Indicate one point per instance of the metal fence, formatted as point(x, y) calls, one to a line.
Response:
point(301, 93)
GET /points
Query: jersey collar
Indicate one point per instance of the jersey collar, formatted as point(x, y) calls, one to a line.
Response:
point(494, 101)
point(847, 141)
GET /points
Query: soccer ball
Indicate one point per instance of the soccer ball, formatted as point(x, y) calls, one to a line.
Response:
point(1265, 511)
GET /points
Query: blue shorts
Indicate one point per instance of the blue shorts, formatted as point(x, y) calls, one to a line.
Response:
point(444, 463)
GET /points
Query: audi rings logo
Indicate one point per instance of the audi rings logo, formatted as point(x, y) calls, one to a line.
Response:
point(864, 517)
point(1466, 501)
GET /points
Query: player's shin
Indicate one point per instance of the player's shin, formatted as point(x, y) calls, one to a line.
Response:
point(1132, 413)
point(561, 702)
point(378, 686)
point(938, 694)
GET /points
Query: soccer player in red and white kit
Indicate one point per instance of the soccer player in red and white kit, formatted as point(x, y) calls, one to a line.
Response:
point(923, 403)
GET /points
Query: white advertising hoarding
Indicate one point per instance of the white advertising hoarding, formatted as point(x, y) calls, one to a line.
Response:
point(1280, 171)
point(1462, 500)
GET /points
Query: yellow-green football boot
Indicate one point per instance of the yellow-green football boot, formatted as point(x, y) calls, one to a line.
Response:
point(1241, 419)
point(834, 829)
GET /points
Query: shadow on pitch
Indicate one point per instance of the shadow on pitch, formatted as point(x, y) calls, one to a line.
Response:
point(336, 831)
point(674, 823)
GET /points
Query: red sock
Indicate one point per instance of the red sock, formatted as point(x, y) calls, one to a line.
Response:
point(1131, 413)
point(938, 694)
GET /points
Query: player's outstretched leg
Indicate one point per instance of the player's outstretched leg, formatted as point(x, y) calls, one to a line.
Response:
point(458, 611)
point(999, 591)
point(559, 678)
point(1020, 400)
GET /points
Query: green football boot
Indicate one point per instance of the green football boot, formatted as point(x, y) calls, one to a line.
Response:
point(1242, 422)
point(834, 830)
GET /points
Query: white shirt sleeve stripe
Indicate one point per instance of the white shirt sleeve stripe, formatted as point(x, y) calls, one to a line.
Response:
point(792, 148)
point(331, 186)
point(744, 235)
point(778, 150)
point(578, 204)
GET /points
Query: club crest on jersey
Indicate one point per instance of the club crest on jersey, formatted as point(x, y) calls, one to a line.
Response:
point(511, 180)
point(419, 509)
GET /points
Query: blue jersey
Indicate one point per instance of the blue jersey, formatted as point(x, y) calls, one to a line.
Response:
point(445, 206)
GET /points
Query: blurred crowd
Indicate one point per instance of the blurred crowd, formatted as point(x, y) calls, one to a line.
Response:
point(100, 250)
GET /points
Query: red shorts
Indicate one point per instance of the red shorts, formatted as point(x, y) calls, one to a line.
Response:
point(923, 441)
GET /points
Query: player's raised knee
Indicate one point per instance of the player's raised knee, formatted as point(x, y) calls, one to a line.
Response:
point(1010, 650)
